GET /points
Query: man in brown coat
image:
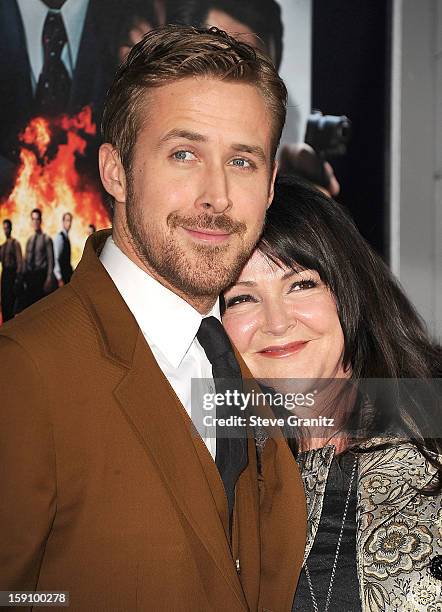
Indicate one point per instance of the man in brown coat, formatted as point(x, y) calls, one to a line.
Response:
point(107, 492)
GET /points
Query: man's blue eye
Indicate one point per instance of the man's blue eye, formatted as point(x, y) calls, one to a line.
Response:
point(183, 155)
point(241, 163)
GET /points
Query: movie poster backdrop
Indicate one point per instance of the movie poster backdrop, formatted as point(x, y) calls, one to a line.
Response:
point(58, 59)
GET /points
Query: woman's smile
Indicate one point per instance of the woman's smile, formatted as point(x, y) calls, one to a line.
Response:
point(283, 350)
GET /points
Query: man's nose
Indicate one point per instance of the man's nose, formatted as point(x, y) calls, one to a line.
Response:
point(214, 195)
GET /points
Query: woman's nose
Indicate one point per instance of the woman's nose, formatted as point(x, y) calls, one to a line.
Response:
point(278, 319)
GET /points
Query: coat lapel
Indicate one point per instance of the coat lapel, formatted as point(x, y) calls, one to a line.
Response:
point(283, 518)
point(165, 430)
point(155, 414)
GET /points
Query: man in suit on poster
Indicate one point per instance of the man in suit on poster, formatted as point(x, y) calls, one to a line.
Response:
point(11, 261)
point(108, 492)
point(38, 265)
point(62, 252)
point(56, 59)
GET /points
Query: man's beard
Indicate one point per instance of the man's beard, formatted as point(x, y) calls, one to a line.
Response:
point(197, 271)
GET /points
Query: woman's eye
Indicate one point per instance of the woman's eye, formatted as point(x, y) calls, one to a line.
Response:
point(240, 162)
point(303, 284)
point(183, 155)
point(239, 299)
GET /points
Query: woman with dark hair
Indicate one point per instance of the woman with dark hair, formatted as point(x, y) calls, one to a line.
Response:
point(316, 305)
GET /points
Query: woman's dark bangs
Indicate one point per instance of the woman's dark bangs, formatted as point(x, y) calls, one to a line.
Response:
point(285, 250)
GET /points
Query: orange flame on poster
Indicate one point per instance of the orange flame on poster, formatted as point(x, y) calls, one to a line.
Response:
point(52, 182)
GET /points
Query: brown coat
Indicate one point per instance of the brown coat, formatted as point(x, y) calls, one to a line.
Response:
point(104, 490)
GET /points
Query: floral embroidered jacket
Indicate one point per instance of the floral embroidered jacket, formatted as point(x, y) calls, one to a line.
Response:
point(399, 530)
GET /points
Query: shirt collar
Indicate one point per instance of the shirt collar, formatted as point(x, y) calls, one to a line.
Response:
point(74, 14)
point(34, 12)
point(167, 321)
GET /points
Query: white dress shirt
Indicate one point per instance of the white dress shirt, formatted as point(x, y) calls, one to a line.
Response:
point(58, 248)
point(169, 325)
point(33, 14)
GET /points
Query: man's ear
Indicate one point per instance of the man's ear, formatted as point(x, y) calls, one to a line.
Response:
point(112, 172)
point(272, 184)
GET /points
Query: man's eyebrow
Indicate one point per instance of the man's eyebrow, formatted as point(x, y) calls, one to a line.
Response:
point(252, 149)
point(185, 134)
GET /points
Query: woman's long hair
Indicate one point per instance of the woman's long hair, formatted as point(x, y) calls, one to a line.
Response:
point(384, 337)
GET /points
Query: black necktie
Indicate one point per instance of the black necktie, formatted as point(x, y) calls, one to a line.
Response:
point(231, 452)
point(54, 84)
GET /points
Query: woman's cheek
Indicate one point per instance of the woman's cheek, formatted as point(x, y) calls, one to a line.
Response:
point(318, 313)
point(241, 328)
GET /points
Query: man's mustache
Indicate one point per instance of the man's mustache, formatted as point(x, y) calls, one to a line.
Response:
point(207, 222)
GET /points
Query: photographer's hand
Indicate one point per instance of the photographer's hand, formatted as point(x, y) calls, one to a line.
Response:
point(302, 160)
point(334, 187)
